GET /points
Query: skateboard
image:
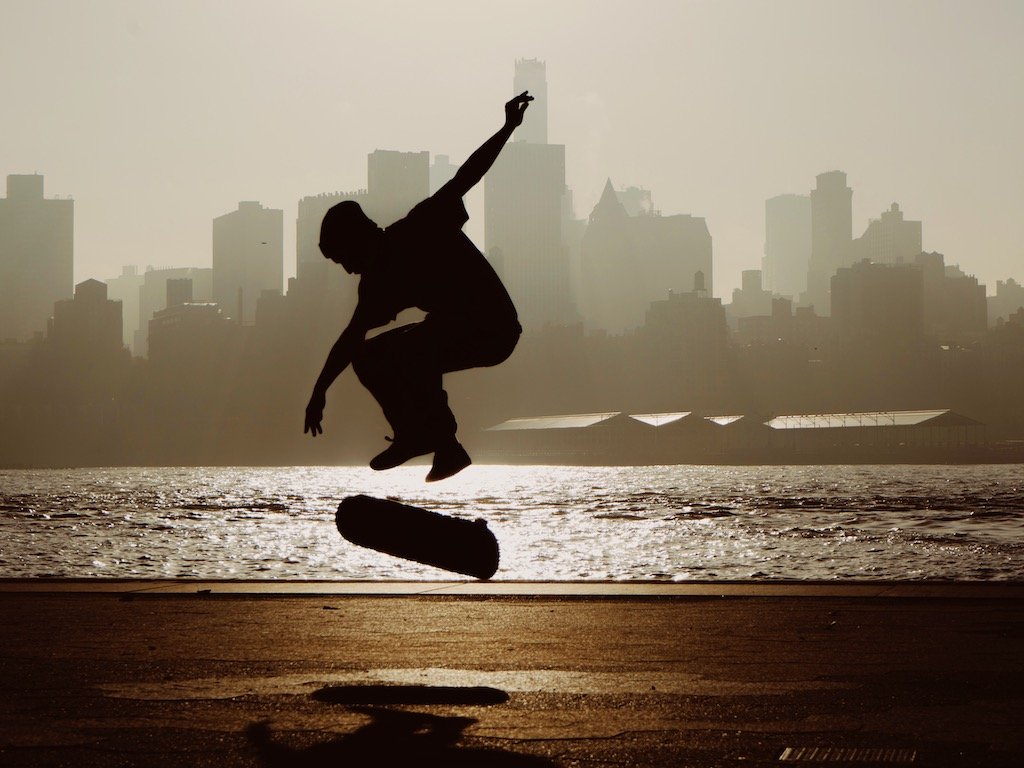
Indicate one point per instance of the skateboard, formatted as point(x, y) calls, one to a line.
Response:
point(450, 543)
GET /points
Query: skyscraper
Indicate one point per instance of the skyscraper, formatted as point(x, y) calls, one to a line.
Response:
point(612, 295)
point(525, 204)
point(954, 303)
point(1008, 299)
point(125, 288)
point(879, 303)
point(248, 258)
point(89, 324)
point(179, 291)
point(889, 239)
point(188, 337)
point(396, 181)
point(36, 256)
point(750, 300)
point(153, 296)
point(686, 337)
point(628, 262)
point(572, 236)
point(787, 244)
point(442, 170)
point(831, 236)
point(311, 268)
point(523, 231)
point(531, 75)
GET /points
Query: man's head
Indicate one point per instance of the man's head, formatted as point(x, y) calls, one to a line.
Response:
point(348, 236)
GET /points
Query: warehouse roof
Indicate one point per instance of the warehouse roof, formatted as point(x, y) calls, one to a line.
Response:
point(569, 421)
point(723, 421)
point(938, 417)
point(659, 419)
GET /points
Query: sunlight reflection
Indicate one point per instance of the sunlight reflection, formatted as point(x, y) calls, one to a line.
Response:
point(552, 523)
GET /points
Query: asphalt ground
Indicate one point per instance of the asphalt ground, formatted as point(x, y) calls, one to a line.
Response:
point(115, 673)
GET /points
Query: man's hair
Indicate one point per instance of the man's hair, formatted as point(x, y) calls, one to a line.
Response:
point(343, 220)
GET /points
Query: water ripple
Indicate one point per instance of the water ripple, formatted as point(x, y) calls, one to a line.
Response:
point(553, 523)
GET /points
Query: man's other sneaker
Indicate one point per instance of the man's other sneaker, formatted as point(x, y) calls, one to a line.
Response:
point(399, 452)
point(450, 459)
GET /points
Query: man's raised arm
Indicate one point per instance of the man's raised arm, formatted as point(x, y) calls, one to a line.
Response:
point(483, 158)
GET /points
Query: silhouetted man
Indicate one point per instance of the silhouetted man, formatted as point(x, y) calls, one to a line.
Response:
point(424, 261)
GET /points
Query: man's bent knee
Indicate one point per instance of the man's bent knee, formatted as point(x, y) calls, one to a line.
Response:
point(501, 344)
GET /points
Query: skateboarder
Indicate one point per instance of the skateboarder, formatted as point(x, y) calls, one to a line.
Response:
point(424, 261)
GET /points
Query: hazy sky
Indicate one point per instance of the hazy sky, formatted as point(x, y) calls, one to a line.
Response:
point(158, 116)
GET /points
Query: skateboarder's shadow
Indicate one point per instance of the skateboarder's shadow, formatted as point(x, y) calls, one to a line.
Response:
point(393, 737)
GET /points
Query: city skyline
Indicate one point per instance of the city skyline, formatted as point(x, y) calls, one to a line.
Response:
point(611, 238)
point(183, 149)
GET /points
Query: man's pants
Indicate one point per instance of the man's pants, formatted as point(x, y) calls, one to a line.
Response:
point(402, 369)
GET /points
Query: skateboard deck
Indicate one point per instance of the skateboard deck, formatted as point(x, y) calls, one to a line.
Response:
point(451, 543)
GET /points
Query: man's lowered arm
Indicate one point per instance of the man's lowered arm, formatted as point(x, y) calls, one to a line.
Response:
point(338, 360)
point(483, 158)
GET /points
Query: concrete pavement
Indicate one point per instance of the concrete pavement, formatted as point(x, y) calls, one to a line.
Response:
point(510, 674)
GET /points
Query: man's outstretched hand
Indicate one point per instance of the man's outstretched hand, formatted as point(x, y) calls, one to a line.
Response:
point(515, 107)
point(315, 414)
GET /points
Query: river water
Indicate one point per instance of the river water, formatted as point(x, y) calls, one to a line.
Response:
point(552, 523)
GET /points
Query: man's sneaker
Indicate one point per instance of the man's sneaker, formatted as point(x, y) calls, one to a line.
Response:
point(399, 452)
point(450, 459)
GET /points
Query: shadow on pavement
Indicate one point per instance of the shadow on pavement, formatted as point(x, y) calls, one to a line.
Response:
point(395, 737)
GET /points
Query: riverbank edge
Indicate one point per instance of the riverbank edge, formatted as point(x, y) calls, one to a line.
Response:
point(1000, 590)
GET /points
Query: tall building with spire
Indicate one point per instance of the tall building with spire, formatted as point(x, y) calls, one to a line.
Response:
point(831, 236)
point(36, 256)
point(628, 262)
point(531, 75)
point(609, 278)
point(525, 213)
